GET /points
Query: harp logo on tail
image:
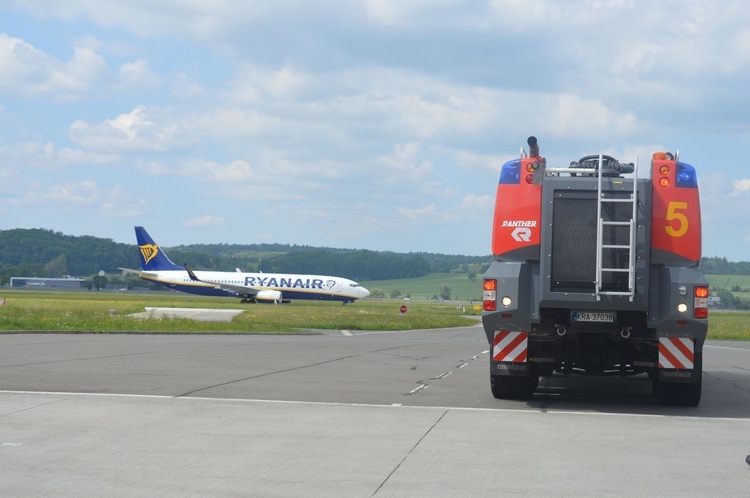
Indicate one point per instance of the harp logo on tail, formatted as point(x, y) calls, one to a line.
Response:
point(149, 252)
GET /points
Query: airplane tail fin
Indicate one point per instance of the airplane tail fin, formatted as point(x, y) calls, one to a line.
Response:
point(152, 257)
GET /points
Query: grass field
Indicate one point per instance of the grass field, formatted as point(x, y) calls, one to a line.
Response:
point(729, 282)
point(108, 312)
point(462, 289)
point(729, 325)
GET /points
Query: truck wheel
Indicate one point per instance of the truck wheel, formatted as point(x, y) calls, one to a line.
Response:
point(681, 393)
point(678, 394)
point(513, 387)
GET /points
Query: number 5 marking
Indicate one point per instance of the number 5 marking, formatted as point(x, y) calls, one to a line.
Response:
point(682, 221)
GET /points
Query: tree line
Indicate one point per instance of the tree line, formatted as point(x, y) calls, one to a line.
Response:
point(46, 253)
point(720, 266)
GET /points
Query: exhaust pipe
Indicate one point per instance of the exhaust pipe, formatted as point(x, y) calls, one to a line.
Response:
point(533, 147)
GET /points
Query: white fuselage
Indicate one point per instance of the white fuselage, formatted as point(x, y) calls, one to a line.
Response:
point(291, 286)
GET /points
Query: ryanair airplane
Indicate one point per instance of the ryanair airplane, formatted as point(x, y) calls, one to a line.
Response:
point(250, 287)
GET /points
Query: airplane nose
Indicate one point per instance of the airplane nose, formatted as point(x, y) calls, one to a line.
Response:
point(365, 292)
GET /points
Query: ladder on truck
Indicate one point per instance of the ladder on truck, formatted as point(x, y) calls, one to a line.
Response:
point(602, 248)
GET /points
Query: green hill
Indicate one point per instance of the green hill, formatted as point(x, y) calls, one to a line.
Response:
point(428, 286)
point(734, 290)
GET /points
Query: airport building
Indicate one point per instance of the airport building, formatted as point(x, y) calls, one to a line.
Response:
point(46, 283)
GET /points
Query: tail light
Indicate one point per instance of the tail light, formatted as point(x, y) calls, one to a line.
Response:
point(489, 296)
point(700, 302)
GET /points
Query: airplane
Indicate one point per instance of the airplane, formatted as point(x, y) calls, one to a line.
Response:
point(249, 287)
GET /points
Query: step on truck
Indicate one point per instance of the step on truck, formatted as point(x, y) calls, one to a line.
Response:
point(595, 272)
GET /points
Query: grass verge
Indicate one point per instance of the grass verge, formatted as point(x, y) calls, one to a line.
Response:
point(729, 325)
point(108, 312)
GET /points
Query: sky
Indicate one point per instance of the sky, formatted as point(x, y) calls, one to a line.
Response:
point(360, 124)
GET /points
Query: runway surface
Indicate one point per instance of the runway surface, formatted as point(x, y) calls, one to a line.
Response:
point(356, 414)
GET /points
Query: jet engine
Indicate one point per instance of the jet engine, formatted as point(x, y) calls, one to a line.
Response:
point(268, 295)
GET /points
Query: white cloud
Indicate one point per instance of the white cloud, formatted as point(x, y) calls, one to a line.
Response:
point(253, 83)
point(741, 186)
point(204, 221)
point(118, 202)
point(79, 197)
point(67, 195)
point(232, 173)
point(129, 124)
point(29, 71)
point(401, 14)
point(477, 204)
point(419, 212)
point(478, 162)
point(571, 116)
point(133, 131)
point(136, 74)
point(225, 123)
point(47, 156)
point(405, 163)
point(11, 180)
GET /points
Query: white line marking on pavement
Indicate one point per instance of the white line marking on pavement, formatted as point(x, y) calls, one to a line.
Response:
point(729, 348)
point(545, 411)
point(418, 388)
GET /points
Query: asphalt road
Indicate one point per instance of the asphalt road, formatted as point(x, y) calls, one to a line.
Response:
point(349, 414)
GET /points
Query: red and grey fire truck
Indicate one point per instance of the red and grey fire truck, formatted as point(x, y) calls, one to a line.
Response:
point(595, 272)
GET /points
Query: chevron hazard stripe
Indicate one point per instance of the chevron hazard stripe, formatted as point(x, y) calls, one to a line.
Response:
point(676, 352)
point(510, 346)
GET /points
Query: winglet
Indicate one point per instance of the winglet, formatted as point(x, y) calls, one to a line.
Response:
point(191, 274)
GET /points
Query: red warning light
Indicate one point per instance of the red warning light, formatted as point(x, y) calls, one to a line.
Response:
point(701, 292)
point(489, 296)
point(700, 302)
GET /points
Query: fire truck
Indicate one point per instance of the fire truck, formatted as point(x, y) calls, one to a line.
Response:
point(595, 272)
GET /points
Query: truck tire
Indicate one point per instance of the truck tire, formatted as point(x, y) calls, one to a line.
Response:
point(681, 393)
point(513, 387)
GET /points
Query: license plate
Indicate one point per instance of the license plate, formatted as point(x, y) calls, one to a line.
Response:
point(594, 316)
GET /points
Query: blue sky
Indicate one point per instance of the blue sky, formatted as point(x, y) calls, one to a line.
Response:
point(370, 124)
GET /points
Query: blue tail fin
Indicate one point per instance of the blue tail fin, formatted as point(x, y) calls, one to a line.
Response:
point(152, 258)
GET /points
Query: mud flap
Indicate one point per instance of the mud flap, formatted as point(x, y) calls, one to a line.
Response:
point(679, 382)
point(511, 374)
point(677, 360)
point(510, 353)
